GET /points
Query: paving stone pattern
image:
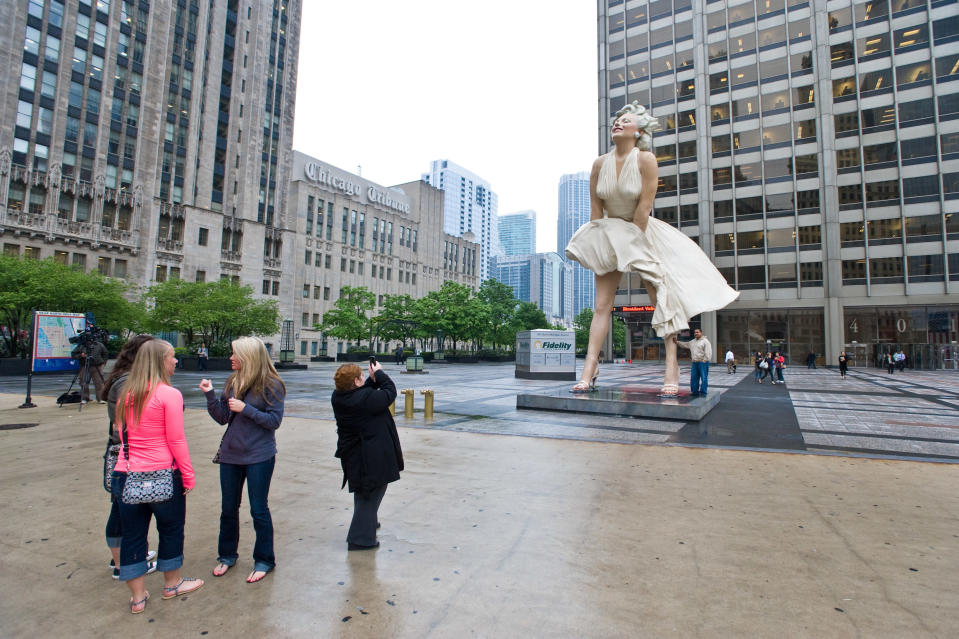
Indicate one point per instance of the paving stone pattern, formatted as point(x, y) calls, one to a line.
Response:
point(911, 414)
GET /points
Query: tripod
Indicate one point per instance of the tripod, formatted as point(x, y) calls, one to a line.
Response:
point(85, 370)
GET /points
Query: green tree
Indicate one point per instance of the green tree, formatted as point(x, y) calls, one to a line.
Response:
point(27, 285)
point(397, 319)
point(219, 311)
point(581, 324)
point(428, 318)
point(454, 317)
point(351, 316)
point(619, 337)
point(529, 317)
point(501, 307)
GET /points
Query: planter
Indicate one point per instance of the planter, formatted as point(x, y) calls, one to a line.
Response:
point(192, 363)
point(322, 358)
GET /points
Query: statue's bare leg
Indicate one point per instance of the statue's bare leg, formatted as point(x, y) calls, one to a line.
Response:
point(605, 295)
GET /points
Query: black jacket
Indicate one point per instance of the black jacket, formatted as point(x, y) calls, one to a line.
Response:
point(368, 445)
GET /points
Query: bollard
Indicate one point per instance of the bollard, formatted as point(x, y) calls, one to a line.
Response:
point(393, 408)
point(408, 411)
point(427, 394)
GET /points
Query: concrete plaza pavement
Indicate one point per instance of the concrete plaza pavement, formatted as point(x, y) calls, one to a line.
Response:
point(562, 532)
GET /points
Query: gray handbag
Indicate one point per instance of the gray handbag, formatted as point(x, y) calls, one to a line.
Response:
point(148, 486)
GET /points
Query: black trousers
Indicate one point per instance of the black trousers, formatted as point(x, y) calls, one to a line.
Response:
point(363, 527)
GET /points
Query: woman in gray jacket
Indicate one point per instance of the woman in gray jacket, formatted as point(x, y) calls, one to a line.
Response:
point(252, 407)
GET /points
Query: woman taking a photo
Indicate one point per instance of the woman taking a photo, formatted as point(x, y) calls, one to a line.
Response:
point(368, 445)
point(252, 407)
point(111, 390)
point(150, 415)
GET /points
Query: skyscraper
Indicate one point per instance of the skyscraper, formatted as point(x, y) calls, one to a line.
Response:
point(469, 206)
point(517, 233)
point(809, 148)
point(573, 213)
point(150, 140)
point(541, 278)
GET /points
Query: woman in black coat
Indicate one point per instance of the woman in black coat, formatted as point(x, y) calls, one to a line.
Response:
point(368, 445)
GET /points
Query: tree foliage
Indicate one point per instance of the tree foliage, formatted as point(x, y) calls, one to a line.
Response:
point(351, 317)
point(27, 285)
point(217, 311)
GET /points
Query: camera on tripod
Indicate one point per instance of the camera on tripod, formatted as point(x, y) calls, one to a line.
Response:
point(90, 335)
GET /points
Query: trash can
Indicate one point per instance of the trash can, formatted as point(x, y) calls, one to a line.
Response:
point(414, 363)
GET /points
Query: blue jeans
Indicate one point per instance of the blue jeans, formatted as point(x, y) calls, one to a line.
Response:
point(135, 520)
point(257, 478)
point(114, 527)
point(699, 377)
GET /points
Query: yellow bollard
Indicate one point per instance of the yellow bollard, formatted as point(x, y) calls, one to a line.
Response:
point(427, 394)
point(408, 411)
point(393, 408)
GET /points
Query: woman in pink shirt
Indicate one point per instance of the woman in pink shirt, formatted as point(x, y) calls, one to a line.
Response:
point(150, 418)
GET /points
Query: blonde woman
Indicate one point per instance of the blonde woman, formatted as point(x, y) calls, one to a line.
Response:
point(150, 422)
point(252, 408)
point(622, 235)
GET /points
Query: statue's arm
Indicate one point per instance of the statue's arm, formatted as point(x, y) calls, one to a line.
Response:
point(649, 171)
point(595, 203)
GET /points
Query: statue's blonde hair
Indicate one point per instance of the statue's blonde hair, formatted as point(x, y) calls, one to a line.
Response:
point(646, 123)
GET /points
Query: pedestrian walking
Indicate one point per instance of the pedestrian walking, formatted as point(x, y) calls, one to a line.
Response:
point(779, 361)
point(890, 363)
point(811, 361)
point(730, 362)
point(758, 360)
point(202, 356)
point(843, 365)
point(769, 367)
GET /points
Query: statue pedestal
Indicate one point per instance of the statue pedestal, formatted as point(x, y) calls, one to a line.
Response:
point(625, 400)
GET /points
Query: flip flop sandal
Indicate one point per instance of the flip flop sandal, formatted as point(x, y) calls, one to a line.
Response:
point(265, 573)
point(142, 602)
point(176, 591)
point(226, 569)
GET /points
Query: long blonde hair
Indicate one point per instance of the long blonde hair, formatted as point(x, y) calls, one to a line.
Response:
point(148, 372)
point(256, 374)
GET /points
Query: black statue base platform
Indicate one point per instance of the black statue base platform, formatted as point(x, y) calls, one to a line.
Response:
point(626, 400)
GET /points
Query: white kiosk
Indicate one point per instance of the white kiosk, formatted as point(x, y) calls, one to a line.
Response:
point(546, 354)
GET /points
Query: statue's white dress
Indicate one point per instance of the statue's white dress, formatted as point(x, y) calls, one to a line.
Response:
point(686, 282)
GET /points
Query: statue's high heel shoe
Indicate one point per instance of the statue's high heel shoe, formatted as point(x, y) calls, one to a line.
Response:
point(669, 390)
point(584, 386)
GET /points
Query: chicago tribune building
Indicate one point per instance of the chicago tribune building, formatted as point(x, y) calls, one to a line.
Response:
point(352, 232)
point(812, 149)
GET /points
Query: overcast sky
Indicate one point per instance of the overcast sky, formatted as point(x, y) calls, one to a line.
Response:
point(504, 88)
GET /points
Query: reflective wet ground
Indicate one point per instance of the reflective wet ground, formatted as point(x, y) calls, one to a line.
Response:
point(561, 532)
point(910, 414)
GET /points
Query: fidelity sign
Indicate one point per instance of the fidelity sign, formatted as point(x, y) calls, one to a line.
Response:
point(321, 174)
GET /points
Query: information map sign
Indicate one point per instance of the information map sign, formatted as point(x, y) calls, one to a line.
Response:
point(51, 340)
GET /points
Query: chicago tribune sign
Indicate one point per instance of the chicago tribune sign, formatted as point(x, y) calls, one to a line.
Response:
point(321, 174)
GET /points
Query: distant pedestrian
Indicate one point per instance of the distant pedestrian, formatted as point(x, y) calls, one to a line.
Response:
point(811, 360)
point(900, 358)
point(779, 361)
point(730, 362)
point(758, 361)
point(890, 363)
point(399, 355)
point(768, 366)
point(202, 356)
point(843, 365)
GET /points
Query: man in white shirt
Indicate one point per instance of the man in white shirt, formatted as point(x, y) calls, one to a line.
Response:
point(730, 362)
point(701, 352)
